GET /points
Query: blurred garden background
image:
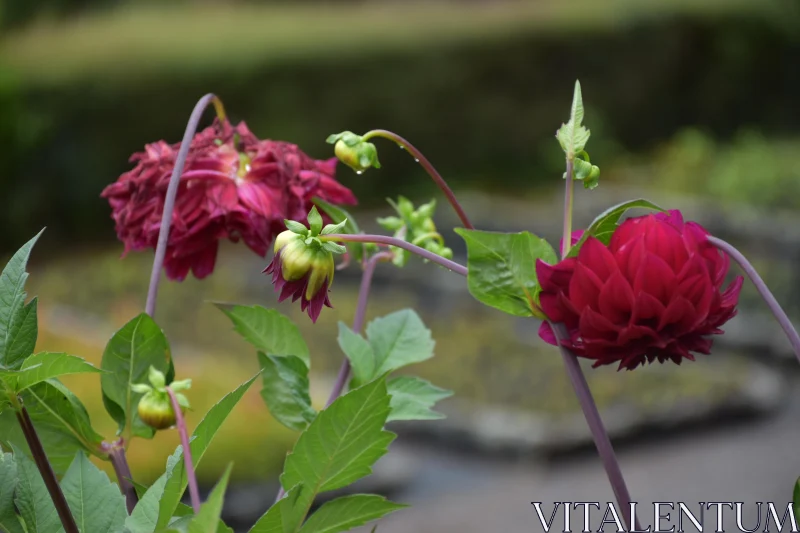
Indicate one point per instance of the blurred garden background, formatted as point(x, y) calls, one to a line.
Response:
point(693, 104)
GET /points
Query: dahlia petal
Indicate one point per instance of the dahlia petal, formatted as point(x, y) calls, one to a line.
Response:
point(598, 258)
point(679, 315)
point(259, 198)
point(655, 277)
point(630, 257)
point(646, 309)
point(616, 299)
point(584, 288)
point(634, 333)
point(556, 277)
point(665, 241)
point(594, 326)
point(546, 334)
point(731, 295)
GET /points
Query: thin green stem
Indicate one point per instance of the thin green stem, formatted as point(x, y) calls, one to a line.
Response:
point(429, 168)
point(180, 423)
point(569, 194)
point(399, 243)
point(46, 470)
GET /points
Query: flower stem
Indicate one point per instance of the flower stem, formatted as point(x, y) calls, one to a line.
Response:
point(172, 191)
point(358, 324)
point(761, 287)
point(598, 430)
point(180, 422)
point(569, 194)
point(46, 470)
point(399, 243)
point(116, 454)
point(432, 172)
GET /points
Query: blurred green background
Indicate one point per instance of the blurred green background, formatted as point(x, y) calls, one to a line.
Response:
point(687, 96)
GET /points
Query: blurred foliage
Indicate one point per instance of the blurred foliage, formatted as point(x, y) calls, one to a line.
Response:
point(750, 168)
point(479, 89)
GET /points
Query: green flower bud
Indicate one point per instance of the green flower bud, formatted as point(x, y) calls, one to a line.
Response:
point(354, 152)
point(285, 238)
point(155, 410)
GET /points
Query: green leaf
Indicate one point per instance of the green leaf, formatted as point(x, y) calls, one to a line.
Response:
point(604, 225)
point(314, 221)
point(24, 332)
point(286, 390)
point(399, 339)
point(46, 365)
point(95, 502)
point(359, 352)
point(586, 172)
point(331, 229)
point(342, 443)
point(33, 500)
point(413, 399)
point(13, 312)
point(127, 359)
point(144, 517)
point(184, 514)
point(61, 422)
point(502, 268)
point(796, 500)
point(296, 227)
point(343, 514)
point(573, 136)
point(207, 520)
point(176, 480)
point(338, 215)
point(267, 330)
point(9, 522)
point(287, 514)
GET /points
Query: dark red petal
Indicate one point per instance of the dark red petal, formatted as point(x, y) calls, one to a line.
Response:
point(204, 261)
point(595, 326)
point(546, 334)
point(584, 288)
point(616, 299)
point(680, 315)
point(597, 258)
point(646, 309)
point(556, 277)
point(655, 277)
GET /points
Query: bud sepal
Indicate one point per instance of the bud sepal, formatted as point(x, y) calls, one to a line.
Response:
point(354, 151)
point(155, 407)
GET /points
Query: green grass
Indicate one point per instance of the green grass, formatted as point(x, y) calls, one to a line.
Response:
point(128, 43)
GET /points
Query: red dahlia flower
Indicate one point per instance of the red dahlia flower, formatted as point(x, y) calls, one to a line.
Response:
point(655, 292)
point(234, 186)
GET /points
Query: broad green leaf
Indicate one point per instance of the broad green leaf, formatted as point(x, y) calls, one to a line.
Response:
point(338, 215)
point(342, 443)
point(96, 503)
point(9, 522)
point(413, 399)
point(285, 390)
point(60, 420)
point(573, 136)
point(144, 517)
point(23, 334)
point(359, 352)
point(343, 514)
point(175, 476)
point(502, 268)
point(267, 330)
point(604, 225)
point(33, 500)
point(184, 514)
point(127, 359)
point(287, 514)
point(207, 520)
point(46, 365)
point(13, 312)
point(399, 339)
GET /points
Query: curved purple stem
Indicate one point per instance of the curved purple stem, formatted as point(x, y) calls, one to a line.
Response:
point(599, 434)
point(116, 454)
point(180, 423)
point(761, 287)
point(429, 168)
point(169, 199)
point(399, 243)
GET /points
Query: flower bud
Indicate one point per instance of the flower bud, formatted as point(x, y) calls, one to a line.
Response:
point(155, 410)
point(354, 152)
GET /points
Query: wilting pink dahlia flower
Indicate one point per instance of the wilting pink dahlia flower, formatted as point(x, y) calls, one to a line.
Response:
point(234, 186)
point(655, 292)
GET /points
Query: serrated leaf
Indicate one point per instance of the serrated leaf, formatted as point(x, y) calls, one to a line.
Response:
point(343, 514)
point(61, 421)
point(9, 522)
point(207, 520)
point(267, 330)
point(32, 499)
point(286, 390)
point(337, 215)
point(144, 517)
point(502, 268)
point(127, 359)
point(175, 476)
point(46, 365)
point(604, 225)
point(23, 335)
point(12, 299)
point(399, 339)
point(413, 399)
point(287, 514)
point(573, 136)
point(359, 352)
point(95, 502)
point(342, 443)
